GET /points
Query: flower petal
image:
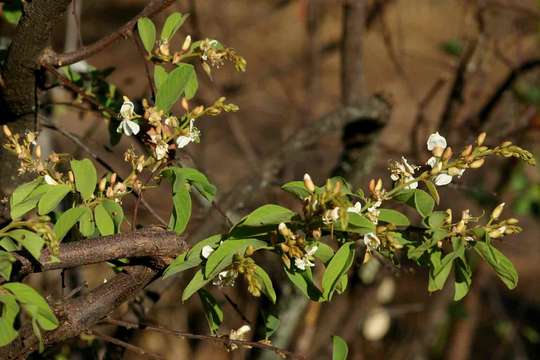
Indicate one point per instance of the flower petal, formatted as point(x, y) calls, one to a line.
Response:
point(443, 179)
point(436, 140)
point(183, 141)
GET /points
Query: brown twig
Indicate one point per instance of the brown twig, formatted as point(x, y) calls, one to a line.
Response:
point(221, 340)
point(125, 345)
point(54, 59)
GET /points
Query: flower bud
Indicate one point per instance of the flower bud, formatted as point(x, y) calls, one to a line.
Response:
point(467, 151)
point(379, 185)
point(250, 250)
point(185, 104)
point(481, 138)
point(447, 154)
point(198, 110)
point(512, 221)
point(371, 185)
point(506, 144)
point(7, 132)
point(102, 184)
point(497, 211)
point(460, 227)
point(283, 230)
point(448, 216)
point(337, 187)
point(495, 234)
point(71, 177)
point(113, 178)
point(437, 151)
point(477, 163)
point(37, 151)
point(187, 43)
point(317, 233)
point(308, 183)
point(437, 169)
point(110, 192)
point(335, 213)
point(454, 171)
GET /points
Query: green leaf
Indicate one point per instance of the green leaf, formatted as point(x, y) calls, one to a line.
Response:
point(174, 86)
point(324, 252)
point(340, 350)
point(436, 219)
point(212, 310)
point(440, 269)
point(160, 75)
point(34, 303)
point(116, 212)
point(433, 191)
point(197, 282)
point(147, 33)
point(104, 222)
point(197, 179)
point(393, 217)
point(12, 12)
point(223, 255)
point(52, 197)
point(195, 251)
point(270, 321)
point(23, 191)
point(423, 202)
point(181, 209)
point(463, 279)
point(192, 86)
point(360, 221)
point(500, 263)
point(87, 226)
point(339, 265)
point(85, 177)
point(268, 215)
point(10, 309)
point(267, 287)
point(296, 188)
point(29, 240)
point(67, 220)
point(6, 264)
point(28, 203)
point(303, 280)
point(180, 264)
point(172, 24)
point(7, 244)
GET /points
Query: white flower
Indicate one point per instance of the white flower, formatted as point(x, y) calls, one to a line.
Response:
point(184, 140)
point(410, 168)
point(432, 161)
point(128, 127)
point(127, 110)
point(373, 212)
point(206, 251)
point(436, 140)
point(307, 259)
point(331, 216)
point(239, 334)
point(356, 208)
point(225, 278)
point(412, 185)
point(442, 179)
point(371, 241)
point(161, 150)
point(49, 180)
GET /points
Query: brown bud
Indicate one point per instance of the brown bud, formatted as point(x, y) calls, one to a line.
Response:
point(447, 154)
point(379, 185)
point(7, 132)
point(512, 221)
point(477, 163)
point(480, 139)
point(110, 192)
point(497, 211)
point(467, 151)
point(102, 184)
point(371, 185)
point(308, 183)
point(113, 178)
point(185, 104)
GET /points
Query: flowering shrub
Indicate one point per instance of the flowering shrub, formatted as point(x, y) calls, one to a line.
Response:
point(337, 225)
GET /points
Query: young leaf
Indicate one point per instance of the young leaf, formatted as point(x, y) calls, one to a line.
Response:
point(174, 86)
point(160, 75)
point(339, 265)
point(181, 264)
point(67, 220)
point(296, 188)
point(172, 24)
point(6, 264)
point(212, 310)
point(270, 321)
point(147, 33)
point(423, 202)
point(104, 222)
point(87, 225)
point(340, 350)
point(181, 209)
point(440, 269)
point(192, 86)
point(267, 287)
point(324, 252)
point(360, 221)
point(436, 219)
point(223, 255)
point(197, 179)
point(393, 217)
point(500, 263)
point(10, 310)
point(29, 202)
point(463, 279)
point(116, 212)
point(85, 177)
point(268, 215)
point(23, 191)
point(52, 197)
point(433, 191)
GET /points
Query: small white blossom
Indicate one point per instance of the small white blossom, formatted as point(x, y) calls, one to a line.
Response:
point(373, 212)
point(49, 180)
point(442, 179)
point(193, 136)
point(206, 251)
point(128, 127)
point(371, 241)
point(356, 208)
point(161, 150)
point(239, 334)
point(331, 216)
point(436, 140)
point(225, 278)
point(307, 259)
point(404, 171)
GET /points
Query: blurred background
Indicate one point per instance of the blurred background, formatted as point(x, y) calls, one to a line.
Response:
point(454, 66)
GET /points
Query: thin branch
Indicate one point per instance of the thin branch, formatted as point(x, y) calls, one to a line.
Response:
point(221, 340)
point(126, 345)
point(54, 59)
